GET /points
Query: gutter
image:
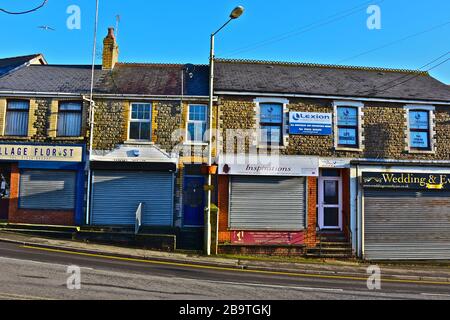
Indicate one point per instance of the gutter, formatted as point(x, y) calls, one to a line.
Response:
point(291, 95)
point(103, 96)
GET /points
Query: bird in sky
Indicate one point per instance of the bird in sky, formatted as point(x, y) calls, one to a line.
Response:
point(46, 28)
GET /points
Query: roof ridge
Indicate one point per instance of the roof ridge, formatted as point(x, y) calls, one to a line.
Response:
point(319, 65)
point(164, 64)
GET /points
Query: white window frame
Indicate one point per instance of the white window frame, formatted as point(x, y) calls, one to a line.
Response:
point(285, 121)
point(188, 121)
point(65, 111)
point(432, 128)
point(351, 104)
point(131, 120)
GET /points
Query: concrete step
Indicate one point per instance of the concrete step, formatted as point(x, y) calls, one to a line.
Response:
point(37, 227)
point(330, 256)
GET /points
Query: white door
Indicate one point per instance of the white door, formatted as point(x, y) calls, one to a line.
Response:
point(330, 203)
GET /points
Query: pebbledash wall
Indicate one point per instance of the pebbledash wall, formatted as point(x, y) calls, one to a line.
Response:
point(42, 133)
point(384, 136)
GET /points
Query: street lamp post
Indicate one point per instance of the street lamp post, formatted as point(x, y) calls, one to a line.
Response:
point(236, 13)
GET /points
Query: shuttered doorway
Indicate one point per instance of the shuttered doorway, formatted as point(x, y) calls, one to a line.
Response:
point(267, 203)
point(403, 225)
point(47, 190)
point(116, 196)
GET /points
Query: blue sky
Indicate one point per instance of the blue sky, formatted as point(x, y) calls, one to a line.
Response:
point(319, 31)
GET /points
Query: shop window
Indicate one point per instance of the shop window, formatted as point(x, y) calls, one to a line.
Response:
point(271, 123)
point(197, 124)
point(140, 122)
point(17, 118)
point(347, 126)
point(69, 119)
point(419, 130)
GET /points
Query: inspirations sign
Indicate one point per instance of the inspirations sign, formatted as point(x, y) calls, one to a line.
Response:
point(413, 181)
point(310, 123)
point(41, 153)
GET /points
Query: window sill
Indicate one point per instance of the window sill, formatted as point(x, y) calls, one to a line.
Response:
point(15, 138)
point(348, 149)
point(69, 138)
point(196, 144)
point(139, 142)
point(421, 151)
point(272, 147)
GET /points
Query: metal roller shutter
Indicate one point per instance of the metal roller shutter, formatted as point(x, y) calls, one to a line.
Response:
point(406, 225)
point(47, 190)
point(267, 203)
point(116, 197)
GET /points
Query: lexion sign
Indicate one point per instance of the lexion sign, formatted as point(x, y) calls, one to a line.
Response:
point(41, 153)
point(415, 181)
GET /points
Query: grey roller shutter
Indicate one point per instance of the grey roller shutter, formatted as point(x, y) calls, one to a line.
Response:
point(47, 190)
point(116, 197)
point(406, 225)
point(267, 203)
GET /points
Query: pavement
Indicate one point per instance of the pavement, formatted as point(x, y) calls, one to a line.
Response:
point(351, 269)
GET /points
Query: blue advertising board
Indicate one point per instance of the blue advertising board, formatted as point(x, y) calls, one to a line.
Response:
point(310, 123)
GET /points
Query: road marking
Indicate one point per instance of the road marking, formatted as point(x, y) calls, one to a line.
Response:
point(277, 286)
point(179, 264)
point(41, 263)
point(435, 295)
point(21, 297)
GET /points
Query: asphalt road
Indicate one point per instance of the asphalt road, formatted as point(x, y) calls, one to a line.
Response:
point(33, 273)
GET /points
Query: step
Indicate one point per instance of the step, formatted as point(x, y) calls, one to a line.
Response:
point(335, 244)
point(330, 256)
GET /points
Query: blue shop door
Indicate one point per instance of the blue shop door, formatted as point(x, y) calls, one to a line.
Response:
point(193, 201)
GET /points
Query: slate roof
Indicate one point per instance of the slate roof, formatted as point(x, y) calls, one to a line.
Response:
point(50, 78)
point(154, 79)
point(11, 63)
point(314, 79)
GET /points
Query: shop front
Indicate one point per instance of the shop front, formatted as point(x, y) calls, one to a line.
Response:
point(131, 178)
point(263, 201)
point(42, 184)
point(404, 212)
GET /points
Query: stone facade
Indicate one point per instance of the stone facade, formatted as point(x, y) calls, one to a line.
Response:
point(383, 124)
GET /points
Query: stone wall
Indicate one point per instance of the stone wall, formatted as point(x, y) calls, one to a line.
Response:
point(109, 124)
point(384, 130)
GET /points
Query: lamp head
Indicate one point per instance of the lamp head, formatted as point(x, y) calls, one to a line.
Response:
point(237, 12)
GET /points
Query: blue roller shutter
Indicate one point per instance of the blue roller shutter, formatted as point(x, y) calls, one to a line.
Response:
point(47, 190)
point(116, 196)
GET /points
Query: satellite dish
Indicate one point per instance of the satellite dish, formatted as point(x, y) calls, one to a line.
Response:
point(189, 69)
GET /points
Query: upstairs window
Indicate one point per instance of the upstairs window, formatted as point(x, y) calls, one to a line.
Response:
point(419, 130)
point(347, 126)
point(17, 118)
point(271, 123)
point(140, 122)
point(196, 123)
point(69, 119)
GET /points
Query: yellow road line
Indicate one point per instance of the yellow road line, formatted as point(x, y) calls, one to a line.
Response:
point(21, 297)
point(292, 274)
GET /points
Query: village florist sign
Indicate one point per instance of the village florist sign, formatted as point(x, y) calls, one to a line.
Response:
point(413, 181)
point(41, 153)
point(292, 166)
point(310, 123)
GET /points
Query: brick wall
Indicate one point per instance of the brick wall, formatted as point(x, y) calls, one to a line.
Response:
point(47, 217)
point(222, 204)
point(311, 223)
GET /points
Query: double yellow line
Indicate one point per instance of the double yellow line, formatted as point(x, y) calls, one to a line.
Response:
point(195, 266)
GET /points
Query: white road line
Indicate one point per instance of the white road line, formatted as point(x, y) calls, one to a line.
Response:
point(277, 286)
point(41, 263)
point(436, 295)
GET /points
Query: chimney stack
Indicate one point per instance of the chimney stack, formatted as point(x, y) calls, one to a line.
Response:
point(110, 51)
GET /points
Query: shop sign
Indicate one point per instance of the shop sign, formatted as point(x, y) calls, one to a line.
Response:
point(413, 181)
point(310, 123)
point(290, 166)
point(41, 153)
point(267, 238)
